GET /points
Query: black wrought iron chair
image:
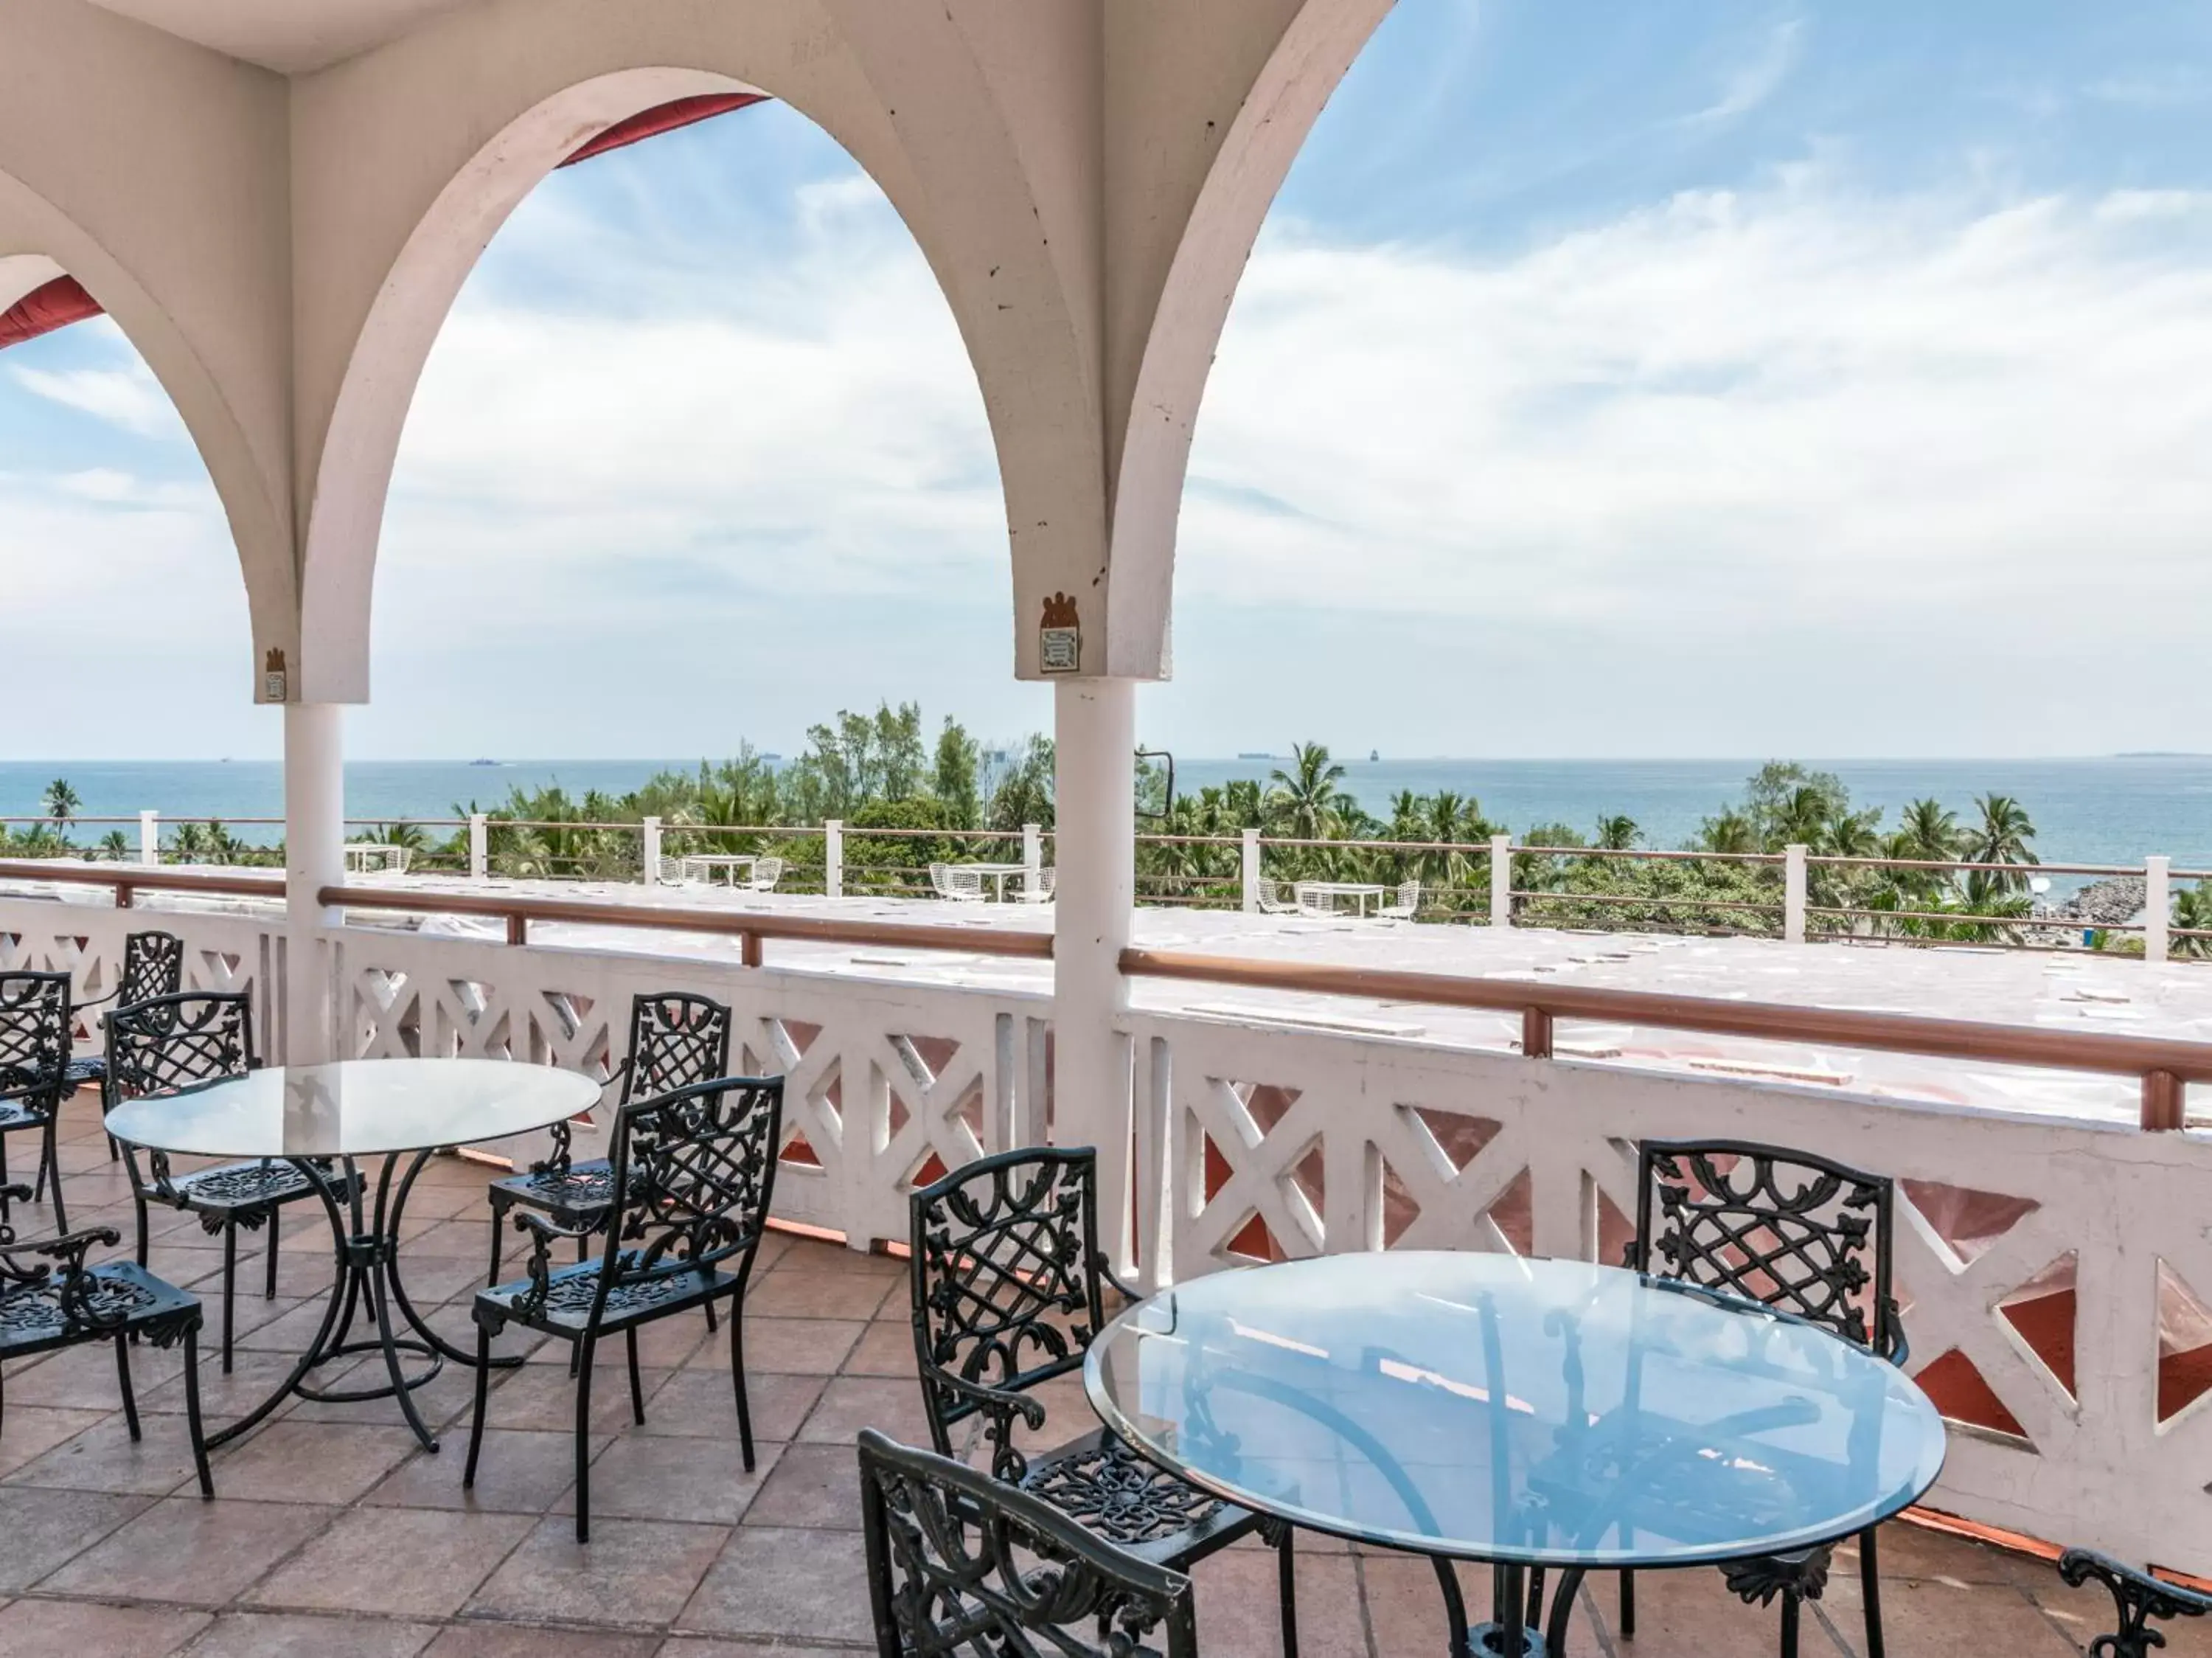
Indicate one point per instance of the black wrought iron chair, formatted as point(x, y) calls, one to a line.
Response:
point(153, 965)
point(172, 1043)
point(1008, 1282)
point(2139, 1599)
point(1790, 1230)
point(696, 1167)
point(49, 1298)
point(965, 1566)
point(34, 1044)
point(675, 1040)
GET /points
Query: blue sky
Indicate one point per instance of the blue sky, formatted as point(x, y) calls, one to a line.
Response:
point(1699, 379)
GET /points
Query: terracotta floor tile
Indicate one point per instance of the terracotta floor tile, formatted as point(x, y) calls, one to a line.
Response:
point(45, 1629)
point(406, 1563)
point(44, 1530)
point(82, 1378)
point(811, 1485)
point(887, 1350)
point(502, 1640)
point(785, 1294)
point(321, 1461)
point(699, 1404)
point(190, 1551)
point(632, 1572)
point(889, 1404)
point(1240, 1613)
point(644, 1476)
point(517, 1473)
point(30, 1431)
point(293, 1634)
point(816, 1255)
point(104, 1458)
point(544, 1396)
point(814, 1347)
point(776, 1582)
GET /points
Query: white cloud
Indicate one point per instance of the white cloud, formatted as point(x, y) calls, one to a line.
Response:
point(1756, 79)
point(127, 396)
point(1782, 412)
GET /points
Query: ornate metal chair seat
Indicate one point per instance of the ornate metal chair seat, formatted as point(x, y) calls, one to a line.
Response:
point(50, 1299)
point(114, 1295)
point(564, 1307)
point(569, 1194)
point(19, 1114)
point(1107, 1489)
point(86, 1071)
point(244, 1194)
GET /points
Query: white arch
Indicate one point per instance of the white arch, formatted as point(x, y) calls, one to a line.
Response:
point(380, 254)
point(38, 242)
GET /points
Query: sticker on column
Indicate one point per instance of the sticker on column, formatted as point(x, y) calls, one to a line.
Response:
point(1059, 640)
point(272, 676)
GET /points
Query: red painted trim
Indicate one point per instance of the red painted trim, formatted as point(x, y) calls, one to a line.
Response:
point(664, 118)
point(55, 305)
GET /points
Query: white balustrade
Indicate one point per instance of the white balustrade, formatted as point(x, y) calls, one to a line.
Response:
point(1251, 1138)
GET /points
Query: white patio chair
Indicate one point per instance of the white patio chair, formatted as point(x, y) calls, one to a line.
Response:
point(1270, 894)
point(1038, 890)
point(1311, 903)
point(668, 872)
point(1409, 900)
point(959, 885)
point(766, 873)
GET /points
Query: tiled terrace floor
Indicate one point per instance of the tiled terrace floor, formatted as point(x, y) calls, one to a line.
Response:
point(333, 1535)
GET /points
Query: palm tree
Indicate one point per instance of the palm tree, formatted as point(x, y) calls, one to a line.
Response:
point(2003, 837)
point(114, 847)
point(1727, 831)
point(62, 804)
point(1617, 832)
point(2192, 913)
point(1802, 819)
point(1306, 797)
point(1928, 833)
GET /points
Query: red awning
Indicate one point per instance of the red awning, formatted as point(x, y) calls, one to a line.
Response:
point(55, 305)
point(63, 300)
point(664, 118)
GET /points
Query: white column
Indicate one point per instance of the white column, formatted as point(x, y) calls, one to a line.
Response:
point(833, 857)
point(2158, 906)
point(1095, 725)
point(1793, 892)
point(479, 846)
point(314, 857)
point(1032, 857)
point(1251, 869)
point(1501, 880)
point(150, 837)
point(652, 856)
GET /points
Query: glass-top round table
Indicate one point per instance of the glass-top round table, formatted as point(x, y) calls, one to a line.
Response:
point(320, 1119)
point(1528, 1413)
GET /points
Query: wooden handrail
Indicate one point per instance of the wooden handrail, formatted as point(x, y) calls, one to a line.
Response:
point(125, 881)
point(749, 926)
point(2161, 1064)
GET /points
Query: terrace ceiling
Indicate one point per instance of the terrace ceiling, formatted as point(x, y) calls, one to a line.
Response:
point(293, 37)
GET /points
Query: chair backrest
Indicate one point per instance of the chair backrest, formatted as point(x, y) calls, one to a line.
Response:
point(1038, 888)
point(1788, 1230)
point(167, 1042)
point(1270, 894)
point(963, 1565)
point(939, 880)
point(695, 1168)
point(153, 965)
point(675, 1040)
point(2138, 1599)
point(766, 873)
point(1409, 896)
point(668, 871)
point(1005, 1275)
point(34, 1037)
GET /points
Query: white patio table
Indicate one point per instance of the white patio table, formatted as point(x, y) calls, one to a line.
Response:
point(996, 873)
point(700, 866)
point(1323, 895)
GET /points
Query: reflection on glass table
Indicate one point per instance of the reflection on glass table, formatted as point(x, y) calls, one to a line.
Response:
point(1534, 1414)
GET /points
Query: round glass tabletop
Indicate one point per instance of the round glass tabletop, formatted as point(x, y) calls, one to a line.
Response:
point(1488, 1407)
point(355, 1108)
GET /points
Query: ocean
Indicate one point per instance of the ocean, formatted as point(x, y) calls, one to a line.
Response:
point(2113, 810)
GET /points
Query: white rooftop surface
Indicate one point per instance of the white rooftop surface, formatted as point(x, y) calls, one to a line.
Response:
point(2049, 991)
